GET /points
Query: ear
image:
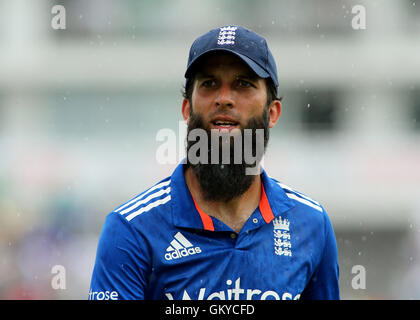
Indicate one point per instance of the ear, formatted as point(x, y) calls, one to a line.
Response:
point(275, 112)
point(186, 110)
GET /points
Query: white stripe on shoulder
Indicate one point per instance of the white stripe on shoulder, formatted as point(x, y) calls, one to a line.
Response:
point(146, 200)
point(304, 201)
point(148, 207)
point(159, 185)
point(300, 194)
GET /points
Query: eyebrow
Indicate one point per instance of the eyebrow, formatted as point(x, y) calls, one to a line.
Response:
point(201, 75)
point(251, 76)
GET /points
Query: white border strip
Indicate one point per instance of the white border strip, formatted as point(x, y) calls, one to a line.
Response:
point(308, 203)
point(139, 203)
point(148, 207)
point(302, 195)
point(163, 184)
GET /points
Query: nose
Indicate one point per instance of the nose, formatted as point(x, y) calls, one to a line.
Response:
point(224, 97)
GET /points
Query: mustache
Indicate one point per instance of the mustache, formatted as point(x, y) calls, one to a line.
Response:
point(257, 122)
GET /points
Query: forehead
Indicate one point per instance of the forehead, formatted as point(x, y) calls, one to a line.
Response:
point(223, 61)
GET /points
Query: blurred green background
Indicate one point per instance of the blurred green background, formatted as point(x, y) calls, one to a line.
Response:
point(80, 109)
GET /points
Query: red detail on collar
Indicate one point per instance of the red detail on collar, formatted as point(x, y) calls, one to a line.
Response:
point(265, 208)
point(205, 218)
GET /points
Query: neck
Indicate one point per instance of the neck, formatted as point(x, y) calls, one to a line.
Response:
point(233, 213)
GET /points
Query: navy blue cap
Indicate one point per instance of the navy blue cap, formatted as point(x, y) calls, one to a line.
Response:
point(244, 43)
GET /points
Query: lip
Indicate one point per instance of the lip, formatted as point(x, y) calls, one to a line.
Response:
point(224, 127)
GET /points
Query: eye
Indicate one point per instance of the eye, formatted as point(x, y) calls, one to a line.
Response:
point(208, 83)
point(244, 83)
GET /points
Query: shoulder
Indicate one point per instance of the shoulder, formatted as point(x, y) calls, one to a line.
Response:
point(300, 200)
point(152, 200)
point(306, 208)
point(131, 223)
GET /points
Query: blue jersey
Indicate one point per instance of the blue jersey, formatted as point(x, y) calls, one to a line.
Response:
point(161, 245)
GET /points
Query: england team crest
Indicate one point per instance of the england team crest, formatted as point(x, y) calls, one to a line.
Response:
point(282, 244)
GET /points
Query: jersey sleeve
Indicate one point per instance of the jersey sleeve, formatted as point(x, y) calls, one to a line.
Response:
point(121, 265)
point(324, 283)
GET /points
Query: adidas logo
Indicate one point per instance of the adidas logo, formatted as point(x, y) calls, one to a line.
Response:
point(180, 247)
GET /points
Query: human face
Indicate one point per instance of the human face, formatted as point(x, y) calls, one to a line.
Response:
point(226, 93)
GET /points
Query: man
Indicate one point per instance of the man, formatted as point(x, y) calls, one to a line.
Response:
point(216, 229)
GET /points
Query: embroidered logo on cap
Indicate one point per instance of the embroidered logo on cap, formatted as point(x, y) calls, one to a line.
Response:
point(227, 35)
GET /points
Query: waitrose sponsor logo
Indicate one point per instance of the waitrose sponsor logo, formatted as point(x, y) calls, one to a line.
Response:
point(236, 293)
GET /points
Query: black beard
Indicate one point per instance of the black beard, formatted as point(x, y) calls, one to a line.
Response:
point(225, 182)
